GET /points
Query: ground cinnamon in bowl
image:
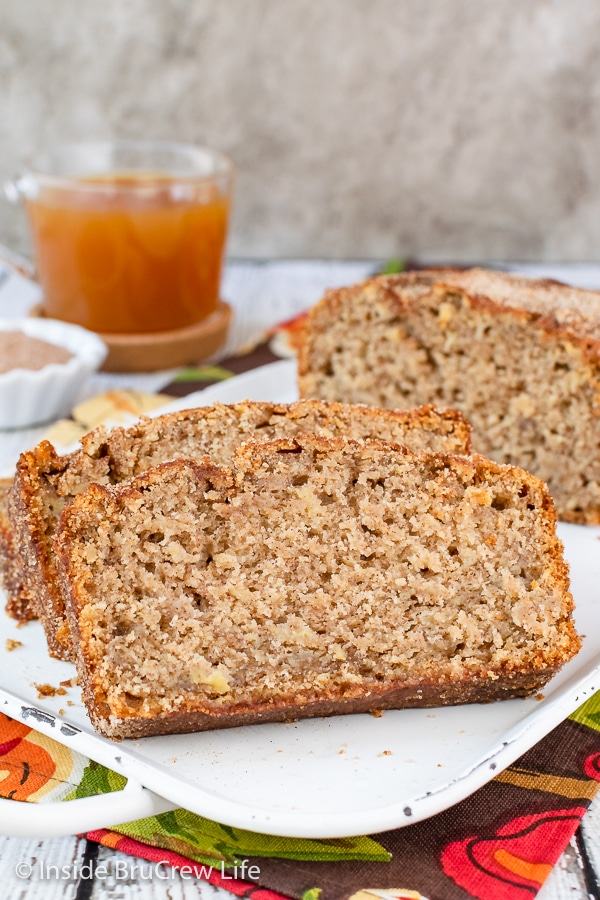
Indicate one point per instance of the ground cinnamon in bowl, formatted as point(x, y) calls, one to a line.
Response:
point(43, 366)
point(20, 351)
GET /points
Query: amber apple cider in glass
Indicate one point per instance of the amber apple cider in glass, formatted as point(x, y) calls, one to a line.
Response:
point(138, 252)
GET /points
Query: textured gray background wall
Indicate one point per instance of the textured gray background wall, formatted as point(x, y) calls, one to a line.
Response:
point(463, 129)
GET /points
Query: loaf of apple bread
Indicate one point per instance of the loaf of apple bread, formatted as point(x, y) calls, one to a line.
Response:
point(520, 358)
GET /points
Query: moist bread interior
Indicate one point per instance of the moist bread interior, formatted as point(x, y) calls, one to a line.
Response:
point(322, 568)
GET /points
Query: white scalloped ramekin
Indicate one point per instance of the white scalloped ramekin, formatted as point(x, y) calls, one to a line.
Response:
point(32, 396)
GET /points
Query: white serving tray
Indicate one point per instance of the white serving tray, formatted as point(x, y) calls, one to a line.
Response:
point(333, 777)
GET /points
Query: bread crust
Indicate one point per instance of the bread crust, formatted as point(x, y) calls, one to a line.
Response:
point(489, 687)
point(40, 595)
point(557, 309)
point(11, 577)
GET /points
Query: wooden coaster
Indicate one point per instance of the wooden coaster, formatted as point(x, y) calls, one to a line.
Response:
point(156, 350)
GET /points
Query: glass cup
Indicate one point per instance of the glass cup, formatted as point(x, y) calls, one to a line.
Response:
point(128, 236)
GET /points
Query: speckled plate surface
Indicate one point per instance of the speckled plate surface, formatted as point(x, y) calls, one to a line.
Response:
point(321, 777)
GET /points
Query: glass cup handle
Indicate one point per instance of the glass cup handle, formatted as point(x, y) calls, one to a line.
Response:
point(10, 189)
point(20, 185)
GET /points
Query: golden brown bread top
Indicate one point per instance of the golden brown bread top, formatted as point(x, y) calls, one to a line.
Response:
point(108, 455)
point(574, 309)
point(551, 305)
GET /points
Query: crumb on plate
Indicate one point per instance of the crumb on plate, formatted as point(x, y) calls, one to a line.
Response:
point(48, 690)
point(12, 645)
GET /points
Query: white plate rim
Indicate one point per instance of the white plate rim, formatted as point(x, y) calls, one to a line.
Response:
point(255, 384)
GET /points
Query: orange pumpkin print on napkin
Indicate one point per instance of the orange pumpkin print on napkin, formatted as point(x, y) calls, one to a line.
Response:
point(28, 771)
